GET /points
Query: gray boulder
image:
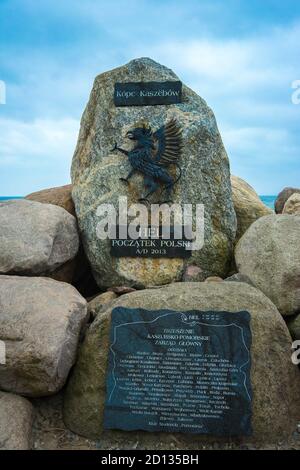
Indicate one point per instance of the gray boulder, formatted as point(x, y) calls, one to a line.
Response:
point(283, 197)
point(247, 205)
point(40, 323)
point(269, 254)
point(275, 380)
point(292, 205)
point(293, 324)
point(100, 303)
point(96, 171)
point(35, 238)
point(238, 277)
point(16, 416)
point(58, 196)
point(76, 271)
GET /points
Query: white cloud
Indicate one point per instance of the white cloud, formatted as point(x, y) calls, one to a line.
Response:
point(236, 65)
point(268, 144)
point(246, 81)
point(266, 157)
point(41, 149)
point(33, 141)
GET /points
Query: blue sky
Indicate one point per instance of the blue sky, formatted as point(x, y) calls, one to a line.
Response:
point(241, 56)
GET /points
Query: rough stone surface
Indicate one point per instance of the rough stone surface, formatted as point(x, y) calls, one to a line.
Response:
point(293, 324)
point(16, 417)
point(283, 197)
point(213, 279)
point(292, 205)
point(275, 380)
point(238, 277)
point(76, 271)
point(96, 172)
point(64, 273)
point(247, 205)
point(35, 238)
point(59, 196)
point(269, 254)
point(100, 303)
point(121, 290)
point(40, 323)
point(192, 273)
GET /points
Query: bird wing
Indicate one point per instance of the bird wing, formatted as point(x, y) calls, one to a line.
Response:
point(144, 163)
point(168, 143)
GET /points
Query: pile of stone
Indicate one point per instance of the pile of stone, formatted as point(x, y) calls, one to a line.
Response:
point(53, 338)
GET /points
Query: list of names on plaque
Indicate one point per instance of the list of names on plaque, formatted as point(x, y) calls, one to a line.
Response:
point(179, 371)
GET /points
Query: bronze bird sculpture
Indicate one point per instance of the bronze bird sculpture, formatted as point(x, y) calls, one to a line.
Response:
point(152, 154)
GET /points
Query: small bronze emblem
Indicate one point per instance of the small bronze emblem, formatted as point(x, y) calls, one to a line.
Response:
point(152, 154)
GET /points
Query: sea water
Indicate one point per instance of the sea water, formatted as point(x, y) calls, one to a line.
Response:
point(6, 198)
point(267, 200)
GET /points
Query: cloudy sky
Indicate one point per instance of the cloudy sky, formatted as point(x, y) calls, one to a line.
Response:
point(241, 56)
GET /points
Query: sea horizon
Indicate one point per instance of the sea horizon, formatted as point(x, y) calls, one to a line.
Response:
point(267, 199)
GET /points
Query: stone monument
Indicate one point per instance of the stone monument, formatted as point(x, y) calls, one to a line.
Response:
point(131, 107)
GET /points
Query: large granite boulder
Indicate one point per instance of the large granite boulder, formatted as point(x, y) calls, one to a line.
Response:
point(293, 324)
point(40, 323)
point(59, 196)
point(283, 197)
point(247, 205)
point(292, 205)
point(100, 303)
point(275, 380)
point(16, 417)
point(76, 271)
point(35, 238)
point(96, 171)
point(269, 254)
point(238, 277)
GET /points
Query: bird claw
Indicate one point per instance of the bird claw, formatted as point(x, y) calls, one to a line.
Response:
point(115, 147)
point(144, 199)
point(124, 180)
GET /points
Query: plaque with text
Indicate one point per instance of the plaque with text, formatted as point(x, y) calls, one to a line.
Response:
point(179, 371)
point(147, 93)
point(151, 242)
